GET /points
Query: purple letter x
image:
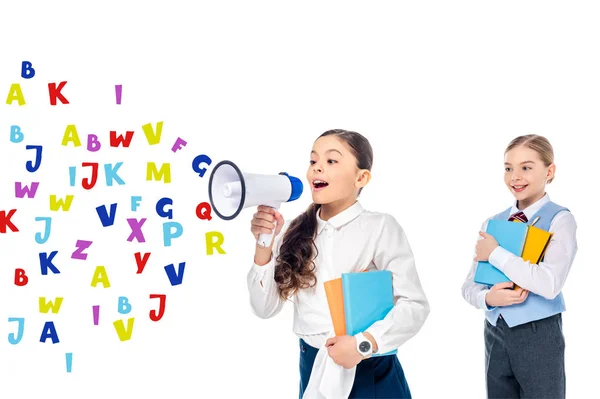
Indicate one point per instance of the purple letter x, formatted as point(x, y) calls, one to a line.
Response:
point(136, 230)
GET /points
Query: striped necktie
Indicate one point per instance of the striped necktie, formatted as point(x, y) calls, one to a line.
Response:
point(519, 216)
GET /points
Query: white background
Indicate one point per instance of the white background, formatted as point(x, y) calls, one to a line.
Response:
point(439, 88)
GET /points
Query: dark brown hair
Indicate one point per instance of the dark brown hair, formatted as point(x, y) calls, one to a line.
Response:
point(295, 268)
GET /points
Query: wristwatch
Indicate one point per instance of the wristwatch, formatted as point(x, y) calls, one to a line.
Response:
point(363, 345)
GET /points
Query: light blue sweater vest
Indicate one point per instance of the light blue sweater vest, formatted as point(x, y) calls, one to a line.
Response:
point(535, 307)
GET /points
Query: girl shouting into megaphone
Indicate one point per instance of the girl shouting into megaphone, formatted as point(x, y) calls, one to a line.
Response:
point(335, 235)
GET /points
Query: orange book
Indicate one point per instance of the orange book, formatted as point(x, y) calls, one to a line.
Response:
point(335, 300)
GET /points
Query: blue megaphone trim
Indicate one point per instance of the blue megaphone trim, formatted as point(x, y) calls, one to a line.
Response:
point(297, 187)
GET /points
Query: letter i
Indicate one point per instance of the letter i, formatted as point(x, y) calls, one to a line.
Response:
point(118, 91)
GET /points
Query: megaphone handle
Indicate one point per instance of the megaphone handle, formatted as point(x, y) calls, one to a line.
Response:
point(264, 239)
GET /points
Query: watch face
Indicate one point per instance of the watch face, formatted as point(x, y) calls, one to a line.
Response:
point(364, 346)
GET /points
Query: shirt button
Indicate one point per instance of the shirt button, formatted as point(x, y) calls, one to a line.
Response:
point(303, 348)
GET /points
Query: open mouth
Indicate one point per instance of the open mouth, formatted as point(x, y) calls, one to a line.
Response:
point(518, 189)
point(319, 185)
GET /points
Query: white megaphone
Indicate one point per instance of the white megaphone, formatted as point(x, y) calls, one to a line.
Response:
point(230, 190)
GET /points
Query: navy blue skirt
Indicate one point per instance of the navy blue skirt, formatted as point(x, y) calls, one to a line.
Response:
point(376, 377)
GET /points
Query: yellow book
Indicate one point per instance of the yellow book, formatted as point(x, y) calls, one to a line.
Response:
point(536, 242)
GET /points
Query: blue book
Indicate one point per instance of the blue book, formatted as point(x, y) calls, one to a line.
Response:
point(368, 297)
point(510, 236)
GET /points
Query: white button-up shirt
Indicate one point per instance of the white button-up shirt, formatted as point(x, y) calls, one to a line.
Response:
point(352, 241)
point(546, 278)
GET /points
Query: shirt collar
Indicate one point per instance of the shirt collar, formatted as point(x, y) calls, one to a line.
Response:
point(532, 209)
point(341, 218)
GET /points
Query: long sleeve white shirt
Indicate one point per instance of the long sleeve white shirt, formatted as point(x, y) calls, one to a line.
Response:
point(546, 278)
point(352, 241)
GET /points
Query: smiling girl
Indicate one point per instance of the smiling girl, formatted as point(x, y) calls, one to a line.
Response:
point(336, 235)
point(524, 343)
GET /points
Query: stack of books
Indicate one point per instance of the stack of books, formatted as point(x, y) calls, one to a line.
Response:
point(357, 300)
point(526, 241)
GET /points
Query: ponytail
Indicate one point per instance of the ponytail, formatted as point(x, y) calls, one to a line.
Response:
point(295, 264)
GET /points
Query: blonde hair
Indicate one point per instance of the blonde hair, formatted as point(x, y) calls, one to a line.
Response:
point(539, 144)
